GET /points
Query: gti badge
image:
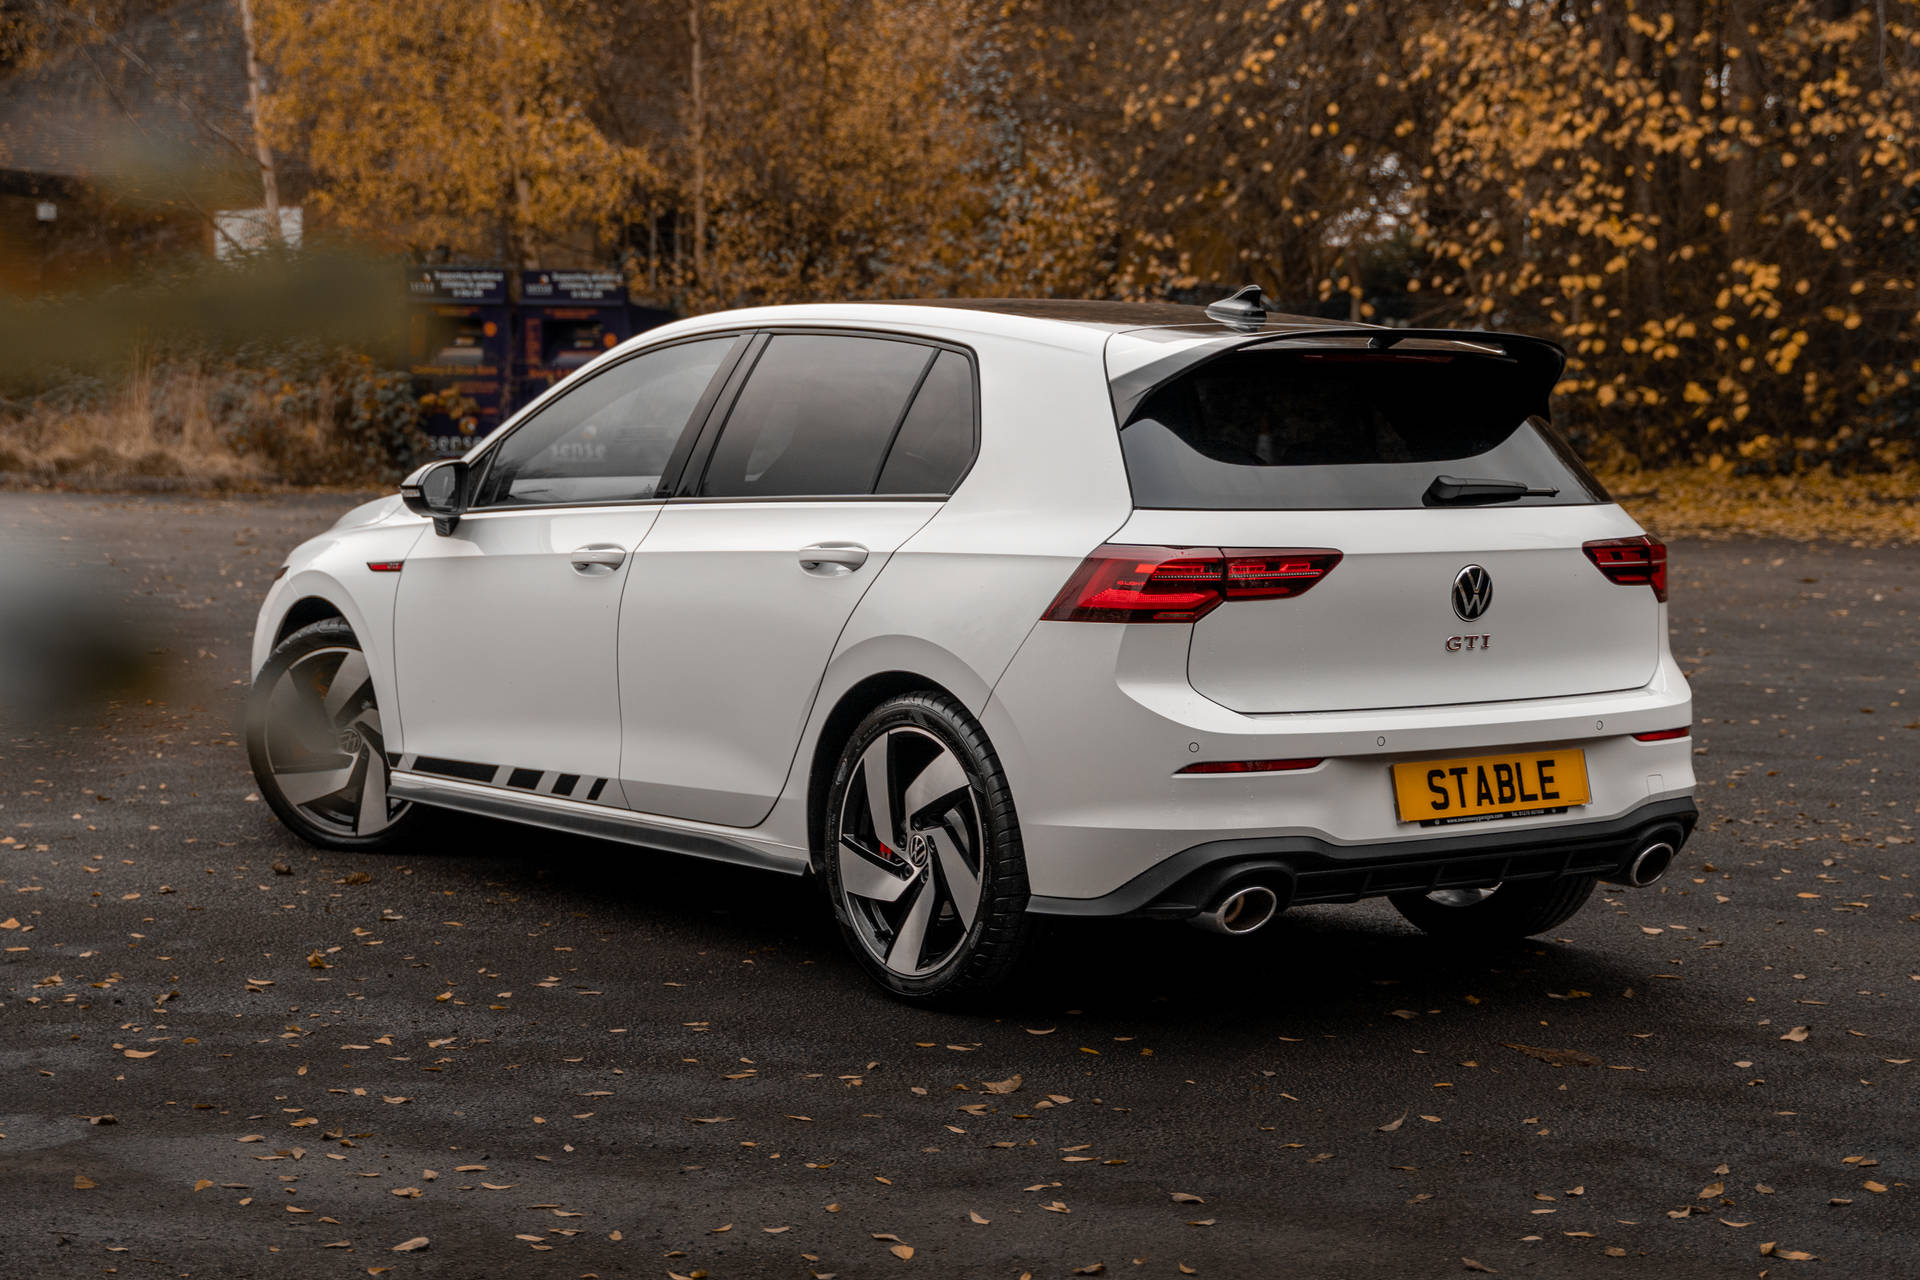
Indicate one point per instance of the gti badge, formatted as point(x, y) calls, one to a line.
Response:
point(1472, 592)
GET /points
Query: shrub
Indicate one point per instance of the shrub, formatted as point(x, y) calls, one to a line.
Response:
point(301, 414)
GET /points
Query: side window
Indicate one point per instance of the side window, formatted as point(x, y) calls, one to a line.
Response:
point(815, 417)
point(609, 438)
point(935, 443)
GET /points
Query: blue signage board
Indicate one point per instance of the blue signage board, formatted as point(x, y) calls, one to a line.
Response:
point(459, 351)
point(565, 319)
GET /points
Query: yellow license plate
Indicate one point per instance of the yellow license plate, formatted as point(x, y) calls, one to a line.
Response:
point(1511, 785)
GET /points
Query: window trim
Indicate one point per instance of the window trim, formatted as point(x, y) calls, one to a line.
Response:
point(676, 460)
point(695, 472)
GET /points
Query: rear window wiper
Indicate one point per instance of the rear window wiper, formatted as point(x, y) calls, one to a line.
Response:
point(1452, 491)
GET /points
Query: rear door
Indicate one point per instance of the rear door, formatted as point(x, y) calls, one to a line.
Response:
point(838, 447)
point(1432, 602)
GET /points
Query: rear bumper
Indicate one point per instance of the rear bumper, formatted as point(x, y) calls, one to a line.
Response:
point(1303, 870)
point(1093, 723)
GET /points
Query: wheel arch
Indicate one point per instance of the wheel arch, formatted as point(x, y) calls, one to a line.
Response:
point(311, 594)
point(306, 611)
point(852, 707)
point(316, 595)
point(861, 677)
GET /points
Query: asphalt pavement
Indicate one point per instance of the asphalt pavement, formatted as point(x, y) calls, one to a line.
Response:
point(223, 1053)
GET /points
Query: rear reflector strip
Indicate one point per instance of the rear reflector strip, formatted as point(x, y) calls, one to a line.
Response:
point(1250, 766)
point(385, 566)
point(1663, 735)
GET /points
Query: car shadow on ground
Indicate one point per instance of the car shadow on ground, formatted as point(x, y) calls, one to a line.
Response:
point(1325, 964)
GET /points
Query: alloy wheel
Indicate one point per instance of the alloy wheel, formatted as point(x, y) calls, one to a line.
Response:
point(324, 746)
point(910, 852)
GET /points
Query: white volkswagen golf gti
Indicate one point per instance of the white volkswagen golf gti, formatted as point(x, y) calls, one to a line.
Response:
point(984, 611)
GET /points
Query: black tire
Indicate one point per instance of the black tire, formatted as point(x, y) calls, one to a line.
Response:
point(274, 749)
point(1517, 910)
point(985, 950)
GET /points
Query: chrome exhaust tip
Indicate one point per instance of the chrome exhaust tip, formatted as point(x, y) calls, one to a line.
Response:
point(1240, 912)
point(1649, 864)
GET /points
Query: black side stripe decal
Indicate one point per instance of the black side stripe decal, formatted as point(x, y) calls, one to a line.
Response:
point(565, 785)
point(456, 768)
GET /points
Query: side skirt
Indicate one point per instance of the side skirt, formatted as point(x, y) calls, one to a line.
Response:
point(698, 840)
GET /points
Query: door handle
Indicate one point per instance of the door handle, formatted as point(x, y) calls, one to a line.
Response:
point(597, 559)
point(832, 558)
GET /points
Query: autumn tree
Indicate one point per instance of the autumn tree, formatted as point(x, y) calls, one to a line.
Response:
point(444, 122)
point(1257, 145)
point(855, 148)
point(1714, 203)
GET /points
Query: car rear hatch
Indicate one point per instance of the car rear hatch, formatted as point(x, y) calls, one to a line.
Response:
point(1441, 592)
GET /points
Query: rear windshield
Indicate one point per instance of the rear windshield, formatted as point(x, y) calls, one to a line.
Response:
point(1294, 430)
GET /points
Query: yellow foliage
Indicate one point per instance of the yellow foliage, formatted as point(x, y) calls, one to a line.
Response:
point(1630, 177)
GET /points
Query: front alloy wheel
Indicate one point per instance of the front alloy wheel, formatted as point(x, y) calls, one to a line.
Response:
point(923, 854)
point(315, 742)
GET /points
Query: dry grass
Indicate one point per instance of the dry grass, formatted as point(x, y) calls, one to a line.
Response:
point(177, 427)
point(153, 428)
point(1698, 502)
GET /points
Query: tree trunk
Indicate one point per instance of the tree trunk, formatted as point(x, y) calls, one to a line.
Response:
point(262, 148)
point(518, 221)
point(1880, 43)
point(697, 140)
point(1643, 269)
point(1740, 203)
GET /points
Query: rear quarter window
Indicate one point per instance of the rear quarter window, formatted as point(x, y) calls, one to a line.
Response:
point(1306, 430)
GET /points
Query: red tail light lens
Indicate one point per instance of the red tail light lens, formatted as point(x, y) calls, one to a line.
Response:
point(1250, 766)
point(1632, 562)
point(1275, 575)
point(1139, 584)
point(1663, 735)
point(1181, 584)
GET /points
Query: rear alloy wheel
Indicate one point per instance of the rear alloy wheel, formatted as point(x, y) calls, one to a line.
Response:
point(315, 742)
point(922, 856)
point(1500, 912)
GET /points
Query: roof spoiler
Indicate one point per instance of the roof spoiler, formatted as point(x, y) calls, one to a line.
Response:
point(1540, 360)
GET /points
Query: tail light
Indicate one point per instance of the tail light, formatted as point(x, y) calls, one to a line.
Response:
point(1663, 735)
point(1182, 584)
point(1632, 562)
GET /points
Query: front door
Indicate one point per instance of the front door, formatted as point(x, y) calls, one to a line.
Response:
point(505, 630)
point(837, 449)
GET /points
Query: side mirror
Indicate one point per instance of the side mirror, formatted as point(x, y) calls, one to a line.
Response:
point(438, 489)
